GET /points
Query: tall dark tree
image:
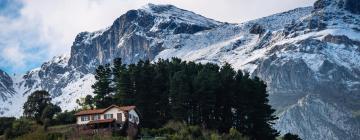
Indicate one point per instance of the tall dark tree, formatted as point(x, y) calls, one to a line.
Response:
point(89, 101)
point(289, 136)
point(35, 104)
point(254, 114)
point(48, 114)
point(123, 88)
point(102, 88)
point(262, 115)
point(224, 95)
point(180, 92)
point(160, 88)
point(206, 85)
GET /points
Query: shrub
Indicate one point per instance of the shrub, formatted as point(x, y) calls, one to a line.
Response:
point(5, 122)
point(19, 127)
point(65, 117)
point(289, 136)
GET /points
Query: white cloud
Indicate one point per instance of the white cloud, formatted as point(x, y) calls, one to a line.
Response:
point(14, 55)
point(48, 27)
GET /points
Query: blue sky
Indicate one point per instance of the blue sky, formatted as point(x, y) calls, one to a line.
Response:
point(34, 31)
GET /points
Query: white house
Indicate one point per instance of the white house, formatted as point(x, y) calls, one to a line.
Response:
point(111, 116)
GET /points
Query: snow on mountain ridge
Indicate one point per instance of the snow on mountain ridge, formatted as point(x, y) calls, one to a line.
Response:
point(172, 12)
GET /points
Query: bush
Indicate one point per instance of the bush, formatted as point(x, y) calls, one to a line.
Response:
point(289, 136)
point(5, 122)
point(65, 118)
point(19, 127)
point(235, 135)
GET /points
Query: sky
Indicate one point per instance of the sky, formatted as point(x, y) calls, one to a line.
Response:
point(34, 31)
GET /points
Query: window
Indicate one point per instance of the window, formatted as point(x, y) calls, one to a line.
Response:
point(108, 116)
point(136, 119)
point(84, 118)
point(97, 117)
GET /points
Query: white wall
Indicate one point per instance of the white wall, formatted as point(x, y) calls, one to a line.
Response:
point(113, 111)
point(78, 120)
point(134, 114)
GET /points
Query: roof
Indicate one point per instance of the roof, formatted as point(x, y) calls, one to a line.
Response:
point(100, 111)
point(101, 121)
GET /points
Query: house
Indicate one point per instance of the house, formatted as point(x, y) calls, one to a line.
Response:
point(111, 117)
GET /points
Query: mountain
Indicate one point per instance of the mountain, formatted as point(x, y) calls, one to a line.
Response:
point(6, 85)
point(309, 57)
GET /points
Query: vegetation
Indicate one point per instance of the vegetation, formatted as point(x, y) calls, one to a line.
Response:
point(195, 101)
point(66, 117)
point(19, 127)
point(39, 107)
point(289, 136)
point(182, 131)
point(5, 122)
point(206, 95)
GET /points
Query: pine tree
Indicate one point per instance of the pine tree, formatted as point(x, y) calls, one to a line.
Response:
point(206, 85)
point(289, 136)
point(224, 97)
point(262, 114)
point(102, 89)
point(161, 86)
point(123, 88)
point(254, 116)
point(179, 96)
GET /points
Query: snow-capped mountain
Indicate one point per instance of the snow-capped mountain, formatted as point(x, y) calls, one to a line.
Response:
point(309, 58)
point(6, 86)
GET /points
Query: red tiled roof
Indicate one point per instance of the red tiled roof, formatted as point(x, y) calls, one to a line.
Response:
point(100, 111)
point(127, 108)
point(92, 111)
point(101, 121)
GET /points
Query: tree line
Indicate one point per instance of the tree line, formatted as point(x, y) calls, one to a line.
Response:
point(213, 97)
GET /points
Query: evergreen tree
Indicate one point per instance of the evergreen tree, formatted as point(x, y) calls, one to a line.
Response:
point(289, 136)
point(179, 96)
point(160, 88)
point(224, 97)
point(102, 88)
point(262, 114)
point(123, 88)
point(145, 97)
point(206, 85)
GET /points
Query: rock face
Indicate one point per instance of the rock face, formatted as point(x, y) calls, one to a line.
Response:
point(136, 35)
point(6, 85)
point(309, 57)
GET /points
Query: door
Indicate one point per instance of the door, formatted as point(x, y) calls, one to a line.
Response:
point(119, 117)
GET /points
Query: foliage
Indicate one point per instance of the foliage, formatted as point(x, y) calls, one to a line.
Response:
point(66, 117)
point(35, 104)
point(19, 127)
point(102, 87)
point(49, 111)
point(5, 122)
point(289, 136)
point(205, 95)
point(175, 130)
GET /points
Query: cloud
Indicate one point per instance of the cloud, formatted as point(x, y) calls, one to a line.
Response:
point(42, 29)
point(14, 55)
